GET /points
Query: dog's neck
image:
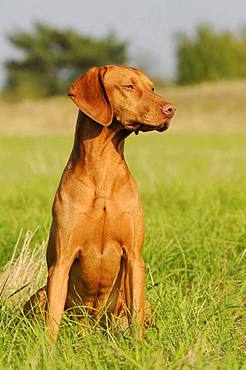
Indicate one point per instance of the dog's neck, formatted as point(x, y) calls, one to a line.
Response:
point(98, 151)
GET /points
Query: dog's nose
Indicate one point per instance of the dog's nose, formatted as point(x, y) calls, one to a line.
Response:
point(168, 109)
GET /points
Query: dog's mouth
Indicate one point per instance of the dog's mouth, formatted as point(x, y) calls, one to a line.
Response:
point(137, 127)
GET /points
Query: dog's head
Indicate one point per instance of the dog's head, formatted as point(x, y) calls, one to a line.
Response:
point(124, 94)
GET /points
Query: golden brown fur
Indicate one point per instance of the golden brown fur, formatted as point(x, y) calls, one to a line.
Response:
point(94, 250)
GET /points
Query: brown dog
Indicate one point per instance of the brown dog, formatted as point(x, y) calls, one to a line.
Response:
point(94, 250)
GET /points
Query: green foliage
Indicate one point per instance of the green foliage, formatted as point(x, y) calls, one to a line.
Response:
point(52, 59)
point(193, 190)
point(210, 56)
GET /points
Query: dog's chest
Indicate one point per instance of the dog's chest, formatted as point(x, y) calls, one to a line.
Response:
point(104, 232)
point(106, 221)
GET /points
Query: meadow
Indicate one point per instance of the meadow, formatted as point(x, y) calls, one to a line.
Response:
point(192, 181)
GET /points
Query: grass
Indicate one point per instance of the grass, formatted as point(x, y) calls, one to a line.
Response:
point(217, 107)
point(192, 183)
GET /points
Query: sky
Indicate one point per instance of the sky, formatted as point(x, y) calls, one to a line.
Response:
point(148, 25)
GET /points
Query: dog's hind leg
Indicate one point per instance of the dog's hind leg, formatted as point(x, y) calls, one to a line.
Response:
point(35, 306)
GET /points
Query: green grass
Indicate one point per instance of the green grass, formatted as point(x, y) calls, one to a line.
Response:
point(193, 190)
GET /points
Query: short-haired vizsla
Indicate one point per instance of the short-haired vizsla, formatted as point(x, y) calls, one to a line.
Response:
point(94, 250)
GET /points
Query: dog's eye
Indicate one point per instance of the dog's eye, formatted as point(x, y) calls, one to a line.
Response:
point(153, 89)
point(129, 86)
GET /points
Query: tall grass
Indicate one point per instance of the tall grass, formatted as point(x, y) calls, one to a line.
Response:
point(25, 273)
point(193, 189)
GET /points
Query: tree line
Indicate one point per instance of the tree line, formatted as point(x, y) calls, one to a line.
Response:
point(50, 58)
point(210, 56)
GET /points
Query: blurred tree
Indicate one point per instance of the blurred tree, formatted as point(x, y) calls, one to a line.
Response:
point(210, 56)
point(52, 59)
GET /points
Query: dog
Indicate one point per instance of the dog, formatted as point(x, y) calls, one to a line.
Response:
point(94, 250)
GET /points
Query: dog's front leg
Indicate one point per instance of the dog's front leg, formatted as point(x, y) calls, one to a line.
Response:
point(57, 288)
point(135, 297)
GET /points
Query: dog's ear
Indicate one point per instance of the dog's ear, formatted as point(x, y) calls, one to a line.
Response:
point(89, 94)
